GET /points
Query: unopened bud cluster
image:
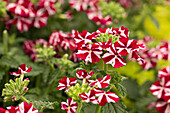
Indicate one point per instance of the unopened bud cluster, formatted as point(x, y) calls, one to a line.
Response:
point(74, 91)
point(105, 37)
point(15, 89)
point(45, 52)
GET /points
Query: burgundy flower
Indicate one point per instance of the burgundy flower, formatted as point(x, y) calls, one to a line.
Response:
point(48, 5)
point(102, 31)
point(66, 82)
point(101, 83)
point(89, 97)
point(81, 74)
point(105, 97)
point(162, 106)
point(24, 107)
point(79, 5)
point(159, 89)
point(122, 32)
point(164, 72)
point(21, 70)
point(106, 45)
point(103, 21)
point(167, 52)
point(19, 8)
point(113, 58)
point(68, 43)
point(40, 19)
point(149, 62)
point(157, 52)
point(90, 53)
point(82, 38)
point(69, 106)
point(22, 23)
point(124, 46)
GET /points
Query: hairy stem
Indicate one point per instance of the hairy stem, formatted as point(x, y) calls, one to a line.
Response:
point(79, 107)
point(24, 99)
point(5, 41)
point(98, 109)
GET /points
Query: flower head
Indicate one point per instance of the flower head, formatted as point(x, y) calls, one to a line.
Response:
point(66, 82)
point(21, 70)
point(84, 74)
point(69, 106)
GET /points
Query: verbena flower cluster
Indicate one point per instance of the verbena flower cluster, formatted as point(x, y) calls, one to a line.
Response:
point(161, 89)
point(108, 44)
point(25, 14)
point(89, 91)
point(152, 55)
point(60, 41)
point(24, 107)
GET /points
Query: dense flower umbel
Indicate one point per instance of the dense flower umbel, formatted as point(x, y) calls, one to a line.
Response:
point(24, 107)
point(89, 92)
point(26, 14)
point(113, 42)
point(69, 106)
point(22, 69)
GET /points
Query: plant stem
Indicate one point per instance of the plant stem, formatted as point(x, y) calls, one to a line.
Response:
point(38, 79)
point(105, 67)
point(98, 109)
point(5, 41)
point(24, 99)
point(48, 89)
point(79, 107)
point(51, 65)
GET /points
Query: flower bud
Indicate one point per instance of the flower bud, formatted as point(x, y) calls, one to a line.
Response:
point(13, 98)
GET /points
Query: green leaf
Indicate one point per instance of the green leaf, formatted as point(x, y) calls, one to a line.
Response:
point(41, 105)
point(121, 89)
point(114, 108)
point(2, 73)
point(155, 21)
point(10, 62)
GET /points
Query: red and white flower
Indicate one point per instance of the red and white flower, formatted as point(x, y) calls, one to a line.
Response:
point(81, 74)
point(40, 19)
point(164, 72)
point(149, 62)
point(21, 70)
point(89, 97)
point(69, 106)
point(162, 106)
point(159, 89)
point(66, 82)
point(105, 97)
point(101, 83)
point(82, 38)
point(24, 107)
point(48, 5)
point(125, 46)
point(112, 57)
point(79, 5)
point(167, 53)
point(19, 8)
point(90, 53)
point(22, 23)
point(122, 32)
point(157, 52)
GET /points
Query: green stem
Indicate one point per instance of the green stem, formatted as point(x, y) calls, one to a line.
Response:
point(5, 41)
point(79, 107)
point(105, 67)
point(98, 109)
point(24, 99)
point(48, 89)
point(38, 79)
point(51, 65)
